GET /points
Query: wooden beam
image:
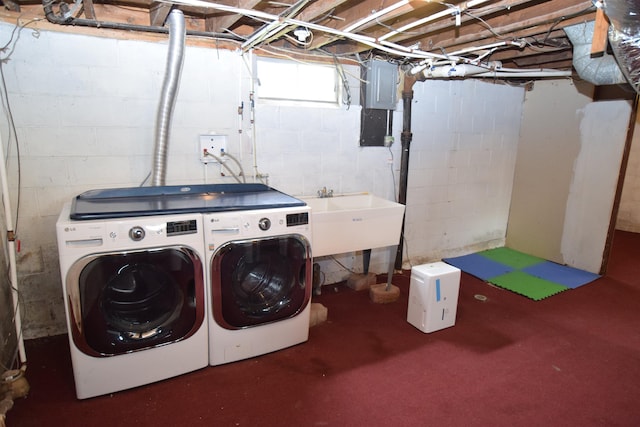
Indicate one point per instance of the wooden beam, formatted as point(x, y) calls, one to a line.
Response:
point(89, 10)
point(218, 24)
point(360, 12)
point(158, 13)
point(319, 8)
point(511, 26)
point(541, 59)
point(599, 40)
point(11, 5)
point(494, 9)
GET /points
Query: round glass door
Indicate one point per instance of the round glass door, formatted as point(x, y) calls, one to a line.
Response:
point(136, 300)
point(260, 281)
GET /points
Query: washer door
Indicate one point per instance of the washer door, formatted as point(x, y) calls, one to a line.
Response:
point(254, 282)
point(135, 300)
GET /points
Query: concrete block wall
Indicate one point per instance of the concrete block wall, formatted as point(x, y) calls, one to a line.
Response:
point(85, 110)
point(465, 135)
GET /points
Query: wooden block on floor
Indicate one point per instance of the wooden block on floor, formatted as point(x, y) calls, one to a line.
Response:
point(360, 282)
point(379, 294)
point(318, 314)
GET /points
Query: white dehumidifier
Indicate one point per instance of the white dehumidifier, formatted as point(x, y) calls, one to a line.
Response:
point(433, 296)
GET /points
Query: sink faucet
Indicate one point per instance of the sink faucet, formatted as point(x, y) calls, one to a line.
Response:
point(322, 193)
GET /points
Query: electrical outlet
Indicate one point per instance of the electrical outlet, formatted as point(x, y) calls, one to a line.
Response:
point(211, 148)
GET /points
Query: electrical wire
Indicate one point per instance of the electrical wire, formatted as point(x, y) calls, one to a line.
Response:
point(12, 127)
point(6, 55)
point(346, 99)
point(342, 265)
point(6, 52)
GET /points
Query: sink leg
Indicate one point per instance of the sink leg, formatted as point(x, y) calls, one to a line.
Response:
point(392, 260)
point(366, 260)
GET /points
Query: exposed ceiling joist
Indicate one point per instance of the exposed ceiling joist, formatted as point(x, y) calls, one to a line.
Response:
point(521, 33)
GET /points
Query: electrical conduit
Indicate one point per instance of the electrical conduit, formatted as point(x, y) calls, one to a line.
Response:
point(13, 269)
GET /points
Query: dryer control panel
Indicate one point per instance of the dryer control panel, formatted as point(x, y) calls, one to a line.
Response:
point(300, 218)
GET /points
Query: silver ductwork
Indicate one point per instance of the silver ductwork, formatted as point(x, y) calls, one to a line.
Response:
point(175, 59)
point(598, 71)
point(624, 37)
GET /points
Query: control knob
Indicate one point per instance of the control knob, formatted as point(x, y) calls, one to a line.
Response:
point(136, 233)
point(264, 224)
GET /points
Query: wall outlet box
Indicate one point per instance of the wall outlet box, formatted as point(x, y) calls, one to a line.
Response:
point(211, 148)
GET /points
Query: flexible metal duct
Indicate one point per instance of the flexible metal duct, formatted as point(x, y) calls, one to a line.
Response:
point(598, 71)
point(175, 59)
point(624, 37)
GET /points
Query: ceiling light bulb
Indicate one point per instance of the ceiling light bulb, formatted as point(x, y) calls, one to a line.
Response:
point(301, 34)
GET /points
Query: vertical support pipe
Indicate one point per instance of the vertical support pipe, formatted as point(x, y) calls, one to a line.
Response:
point(366, 260)
point(175, 59)
point(11, 249)
point(405, 138)
point(392, 250)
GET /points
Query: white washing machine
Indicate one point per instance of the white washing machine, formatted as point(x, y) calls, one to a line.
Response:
point(259, 274)
point(134, 290)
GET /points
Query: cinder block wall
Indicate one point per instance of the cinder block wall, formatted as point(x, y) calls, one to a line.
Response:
point(85, 109)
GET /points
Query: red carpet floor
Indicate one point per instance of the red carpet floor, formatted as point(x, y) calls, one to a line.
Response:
point(570, 360)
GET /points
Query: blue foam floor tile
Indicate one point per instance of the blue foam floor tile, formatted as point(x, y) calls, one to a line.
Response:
point(567, 276)
point(478, 266)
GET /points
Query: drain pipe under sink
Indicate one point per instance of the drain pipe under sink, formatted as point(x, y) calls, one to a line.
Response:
point(175, 59)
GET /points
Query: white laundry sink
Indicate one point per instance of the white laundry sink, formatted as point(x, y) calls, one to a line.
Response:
point(353, 222)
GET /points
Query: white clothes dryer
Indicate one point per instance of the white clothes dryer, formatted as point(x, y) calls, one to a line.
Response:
point(134, 292)
point(259, 273)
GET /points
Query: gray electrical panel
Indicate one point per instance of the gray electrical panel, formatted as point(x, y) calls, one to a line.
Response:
point(380, 89)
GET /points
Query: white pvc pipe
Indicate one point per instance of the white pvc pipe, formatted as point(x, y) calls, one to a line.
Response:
point(466, 70)
point(422, 21)
point(525, 70)
point(473, 3)
point(433, 17)
point(460, 70)
point(485, 47)
point(13, 269)
point(523, 73)
point(376, 15)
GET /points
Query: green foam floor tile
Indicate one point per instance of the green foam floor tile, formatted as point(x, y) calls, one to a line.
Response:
point(512, 258)
point(527, 285)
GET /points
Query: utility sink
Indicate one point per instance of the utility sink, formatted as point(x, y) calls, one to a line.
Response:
point(353, 223)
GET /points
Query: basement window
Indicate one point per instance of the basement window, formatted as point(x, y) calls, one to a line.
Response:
point(288, 82)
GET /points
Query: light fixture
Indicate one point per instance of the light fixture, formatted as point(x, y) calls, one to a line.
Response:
point(302, 34)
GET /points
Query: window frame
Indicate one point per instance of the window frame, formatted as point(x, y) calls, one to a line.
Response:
point(299, 70)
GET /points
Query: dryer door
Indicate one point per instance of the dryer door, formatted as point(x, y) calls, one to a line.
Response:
point(254, 282)
point(129, 301)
